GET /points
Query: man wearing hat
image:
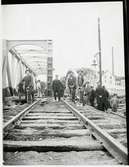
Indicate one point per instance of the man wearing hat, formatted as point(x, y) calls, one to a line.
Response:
point(72, 85)
point(99, 97)
point(80, 82)
point(28, 86)
point(57, 88)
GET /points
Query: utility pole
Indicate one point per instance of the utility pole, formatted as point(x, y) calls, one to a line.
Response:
point(112, 61)
point(99, 44)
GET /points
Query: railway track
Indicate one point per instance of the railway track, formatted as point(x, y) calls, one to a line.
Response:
point(122, 110)
point(50, 132)
point(112, 123)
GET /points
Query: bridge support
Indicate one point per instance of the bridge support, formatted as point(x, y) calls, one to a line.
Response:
point(49, 75)
point(46, 46)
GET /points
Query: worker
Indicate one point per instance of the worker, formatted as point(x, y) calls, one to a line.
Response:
point(20, 91)
point(57, 88)
point(105, 99)
point(87, 90)
point(80, 83)
point(72, 85)
point(63, 81)
point(43, 87)
point(92, 96)
point(39, 88)
point(28, 86)
point(99, 94)
point(114, 103)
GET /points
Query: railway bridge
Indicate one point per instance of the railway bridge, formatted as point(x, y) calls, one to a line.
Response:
point(18, 55)
point(50, 132)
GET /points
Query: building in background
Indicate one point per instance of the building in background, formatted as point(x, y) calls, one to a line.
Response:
point(120, 81)
point(108, 80)
point(90, 76)
point(114, 84)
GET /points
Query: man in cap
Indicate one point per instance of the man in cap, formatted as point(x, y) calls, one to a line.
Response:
point(72, 85)
point(43, 87)
point(39, 88)
point(105, 99)
point(99, 96)
point(28, 86)
point(114, 102)
point(92, 96)
point(57, 88)
point(80, 82)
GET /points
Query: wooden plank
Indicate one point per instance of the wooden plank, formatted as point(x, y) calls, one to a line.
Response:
point(94, 114)
point(52, 121)
point(50, 117)
point(101, 121)
point(115, 131)
point(56, 133)
point(53, 145)
point(110, 125)
point(42, 111)
point(47, 114)
point(122, 116)
point(44, 123)
point(23, 125)
point(95, 117)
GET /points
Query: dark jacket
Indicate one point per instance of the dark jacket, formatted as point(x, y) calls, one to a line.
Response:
point(20, 87)
point(106, 98)
point(28, 81)
point(99, 92)
point(106, 94)
point(56, 85)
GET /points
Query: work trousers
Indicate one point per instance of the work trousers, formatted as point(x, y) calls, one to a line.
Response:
point(100, 103)
point(57, 93)
point(29, 95)
point(72, 93)
point(39, 92)
point(81, 95)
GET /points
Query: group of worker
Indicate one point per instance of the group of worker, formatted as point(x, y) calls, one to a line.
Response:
point(87, 94)
point(98, 97)
point(79, 89)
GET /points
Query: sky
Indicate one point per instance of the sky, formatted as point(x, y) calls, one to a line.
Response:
point(73, 27)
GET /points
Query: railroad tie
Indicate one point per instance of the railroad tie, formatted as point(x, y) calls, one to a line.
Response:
point(53, 145)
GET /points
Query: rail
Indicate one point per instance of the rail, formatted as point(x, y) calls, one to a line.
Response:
point(122, 116)
point(15, 118)
point(115, 148)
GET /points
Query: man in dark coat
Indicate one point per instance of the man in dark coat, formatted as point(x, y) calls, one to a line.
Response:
point(80, 82)
point(72, 85)
point(57, 88)
point(105, 99)
point(21, 91)
point(99, 96)
point(28, 86)
point(92, 96)
point(87, 90)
